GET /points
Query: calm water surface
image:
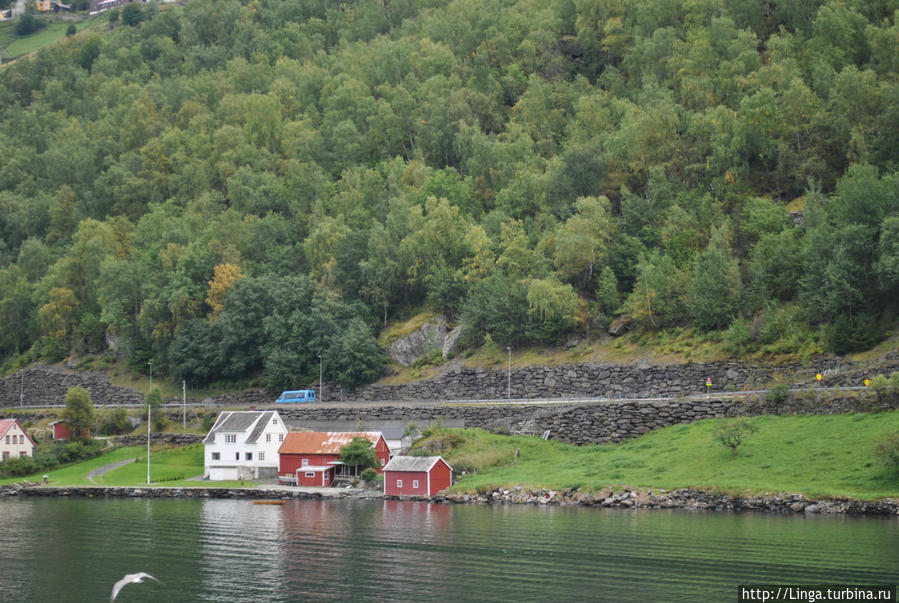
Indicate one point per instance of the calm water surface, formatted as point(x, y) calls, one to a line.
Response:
point(223, 550)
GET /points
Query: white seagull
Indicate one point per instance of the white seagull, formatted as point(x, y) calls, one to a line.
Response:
point(128, 579)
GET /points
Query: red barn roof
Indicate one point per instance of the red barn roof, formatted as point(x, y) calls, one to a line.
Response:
point(324, 442)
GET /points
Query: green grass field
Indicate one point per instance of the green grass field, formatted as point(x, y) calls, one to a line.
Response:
point(814, 455)
point(171, 462)
point(14, 46)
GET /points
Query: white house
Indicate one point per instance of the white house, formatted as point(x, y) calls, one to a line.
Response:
point(14, 440)
point(244, 445)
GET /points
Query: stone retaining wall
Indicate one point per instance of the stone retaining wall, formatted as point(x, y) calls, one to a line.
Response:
point(199, 492)
point(171, 439)
point(46, 385)
point(598, 422)
point(622, 498)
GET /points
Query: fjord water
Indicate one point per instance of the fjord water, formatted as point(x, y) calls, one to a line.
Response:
point(228, 550)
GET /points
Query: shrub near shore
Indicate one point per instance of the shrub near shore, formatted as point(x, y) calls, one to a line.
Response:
point(831, 455)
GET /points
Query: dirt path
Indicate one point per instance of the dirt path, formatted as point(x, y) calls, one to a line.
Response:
point(106, 469)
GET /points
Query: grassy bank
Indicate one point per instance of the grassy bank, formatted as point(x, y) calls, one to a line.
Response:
point(168, 467)
point(829, 456)
point(14, 46)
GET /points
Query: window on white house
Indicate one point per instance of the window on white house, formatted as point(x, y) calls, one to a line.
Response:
point(7, 439)
point(230, 438)
point(261, 456)
point(216, 456)
point(248, 456)
point(399, 483)
point(268, 437)
point(310, 474)
point(236, 456)
point(274, 421)
point(280, 437)
point(304, 462)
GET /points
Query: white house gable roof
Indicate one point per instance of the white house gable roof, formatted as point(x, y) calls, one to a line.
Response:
point(261, 424)
point(241, 422)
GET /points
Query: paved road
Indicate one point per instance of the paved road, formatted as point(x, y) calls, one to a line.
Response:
point(106, 469)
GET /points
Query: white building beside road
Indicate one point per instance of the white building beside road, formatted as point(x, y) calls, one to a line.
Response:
point(243, 445)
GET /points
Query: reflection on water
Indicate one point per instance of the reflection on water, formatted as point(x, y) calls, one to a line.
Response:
point(226, 550)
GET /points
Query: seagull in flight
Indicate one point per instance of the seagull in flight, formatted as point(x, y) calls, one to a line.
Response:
point(128, 579)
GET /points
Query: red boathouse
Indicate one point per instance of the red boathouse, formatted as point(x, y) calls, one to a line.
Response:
point(416, 476)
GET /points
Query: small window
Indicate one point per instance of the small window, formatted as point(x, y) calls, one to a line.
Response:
point(280, 437)
point(304, 462)
point(274, 421)
point(7, 439)
point(236, 456)
point(230, 438)
point(399, 483)
point(268, 437)
point(261, 456)
point(415, 483)
point(248, 456)
point(382, 462)
point(310, 474)
point(216, 456)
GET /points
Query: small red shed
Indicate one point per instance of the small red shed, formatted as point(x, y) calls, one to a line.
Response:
point(304, 449)
point(62, 429)
point(417, 476)
point(315, 475)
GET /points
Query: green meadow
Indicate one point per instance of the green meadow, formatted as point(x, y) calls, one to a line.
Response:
point(817, 456)
point(14, 46)
point(168, 467)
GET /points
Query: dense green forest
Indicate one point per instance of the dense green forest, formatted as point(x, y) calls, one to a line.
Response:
point(232, 188)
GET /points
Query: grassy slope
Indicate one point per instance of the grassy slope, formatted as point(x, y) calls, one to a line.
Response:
point(14, 46)
point(814, 455)
point(186, 461)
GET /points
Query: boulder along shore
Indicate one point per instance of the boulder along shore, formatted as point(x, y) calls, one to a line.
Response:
point(609, 498)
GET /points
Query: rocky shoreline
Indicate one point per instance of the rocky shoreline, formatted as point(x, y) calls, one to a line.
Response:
point(682, 498)
point(608, 498)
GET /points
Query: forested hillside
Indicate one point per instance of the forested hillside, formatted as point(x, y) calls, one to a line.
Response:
point(232, 187)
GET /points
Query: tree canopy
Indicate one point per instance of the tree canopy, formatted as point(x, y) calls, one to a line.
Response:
point(231, 189)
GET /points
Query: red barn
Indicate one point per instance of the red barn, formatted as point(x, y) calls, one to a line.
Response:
point(417, 476)
point(304, 450)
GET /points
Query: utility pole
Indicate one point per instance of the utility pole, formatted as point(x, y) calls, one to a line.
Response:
point(183, 405)
point(22, 388)
point(509, 382)
point(320, 391)
point(149, 415)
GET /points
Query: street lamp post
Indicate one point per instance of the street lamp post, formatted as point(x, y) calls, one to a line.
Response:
point(320, 391)
point(509, 381)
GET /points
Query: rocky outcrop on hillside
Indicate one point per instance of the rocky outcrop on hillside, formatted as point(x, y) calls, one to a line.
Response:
point(420, 343)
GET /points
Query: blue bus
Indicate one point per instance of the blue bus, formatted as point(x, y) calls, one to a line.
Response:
point(297, 395)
